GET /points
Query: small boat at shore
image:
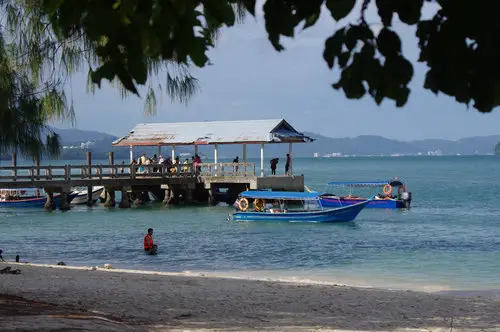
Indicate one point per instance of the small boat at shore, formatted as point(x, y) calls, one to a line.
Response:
point(385, 200)
point(291, 207)
point(81, 195)
point(27, 198)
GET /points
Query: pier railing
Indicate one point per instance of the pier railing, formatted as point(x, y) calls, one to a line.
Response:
point(79, 172)
point(227, 169)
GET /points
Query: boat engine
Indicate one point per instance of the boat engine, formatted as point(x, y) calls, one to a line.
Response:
point(406, 198)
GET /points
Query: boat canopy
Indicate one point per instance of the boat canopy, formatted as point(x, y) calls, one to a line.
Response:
point(393, 182)
point(284, 195)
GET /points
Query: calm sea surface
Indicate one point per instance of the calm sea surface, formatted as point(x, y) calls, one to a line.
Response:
point(449, 240)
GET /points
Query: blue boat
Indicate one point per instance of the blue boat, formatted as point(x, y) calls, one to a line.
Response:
point(393, 196)
point(291, 207)
point(28, 198)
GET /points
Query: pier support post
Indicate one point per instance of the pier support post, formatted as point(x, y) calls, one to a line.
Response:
point(110, 198)
point(262, 159)
point(111, 158)
point(14, 165)
point(63, 203)
point(90, 202)
point(125, 201)
point(211, 198)
point(37, 166)
point(216, 157)
point(167, 198)
point(49, 203)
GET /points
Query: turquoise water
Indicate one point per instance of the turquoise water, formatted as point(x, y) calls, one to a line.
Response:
point(449, 239)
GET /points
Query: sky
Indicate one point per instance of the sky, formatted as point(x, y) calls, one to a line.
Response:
point(250, 80)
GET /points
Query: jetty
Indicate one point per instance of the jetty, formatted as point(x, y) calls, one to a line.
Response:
point(206, 182)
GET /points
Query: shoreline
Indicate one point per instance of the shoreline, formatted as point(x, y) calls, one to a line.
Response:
point(120, 300)
point(275, 276)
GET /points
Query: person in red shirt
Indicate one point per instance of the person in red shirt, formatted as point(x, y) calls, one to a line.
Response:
point(149, 246)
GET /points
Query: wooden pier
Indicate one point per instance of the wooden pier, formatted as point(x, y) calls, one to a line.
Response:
point(210, 182)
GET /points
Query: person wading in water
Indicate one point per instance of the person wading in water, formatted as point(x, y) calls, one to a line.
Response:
point(149, 247)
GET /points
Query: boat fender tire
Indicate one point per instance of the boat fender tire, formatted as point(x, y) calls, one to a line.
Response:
point(259, 204)
point(401, 189)
point(243, 204)
point(387, 189)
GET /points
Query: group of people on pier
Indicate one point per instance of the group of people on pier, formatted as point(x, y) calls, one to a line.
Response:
point(274, 164)
point(143, 164)
point(146, 165)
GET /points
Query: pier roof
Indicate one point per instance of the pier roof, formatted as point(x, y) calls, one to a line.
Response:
point(213, 132)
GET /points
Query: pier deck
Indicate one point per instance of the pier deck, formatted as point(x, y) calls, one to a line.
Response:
point(183, 180)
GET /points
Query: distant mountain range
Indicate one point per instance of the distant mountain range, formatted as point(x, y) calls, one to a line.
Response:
point(377, 145)
point(365, 145)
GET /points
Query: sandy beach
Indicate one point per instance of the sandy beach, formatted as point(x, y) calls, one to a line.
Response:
point(44, 298)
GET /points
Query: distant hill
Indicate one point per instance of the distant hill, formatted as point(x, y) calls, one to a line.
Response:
point(377, 145)
point(364, 145)
point(76, 136)
point(361, 145)
point(371, 145)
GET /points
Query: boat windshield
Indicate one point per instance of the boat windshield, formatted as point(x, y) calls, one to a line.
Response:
point(364, 189)
point(278, 205)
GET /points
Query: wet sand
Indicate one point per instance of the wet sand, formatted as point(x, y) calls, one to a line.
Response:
point(45, 298)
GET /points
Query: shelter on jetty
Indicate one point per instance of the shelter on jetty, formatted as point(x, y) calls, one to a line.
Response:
point(214, 181)
point(214, 133)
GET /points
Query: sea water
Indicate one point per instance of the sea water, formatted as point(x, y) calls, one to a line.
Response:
point(448, 240)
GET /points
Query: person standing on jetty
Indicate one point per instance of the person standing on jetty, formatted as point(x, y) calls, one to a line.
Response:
point(287, 164)
point(149, 247)
point(1, 258)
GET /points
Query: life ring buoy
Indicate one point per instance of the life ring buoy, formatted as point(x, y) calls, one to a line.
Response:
point(401, 189)
point(243, 204)
point(259, 204)
point(387, 189)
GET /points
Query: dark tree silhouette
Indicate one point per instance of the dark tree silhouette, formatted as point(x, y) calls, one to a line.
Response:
point(460, 44)
point(129, 40)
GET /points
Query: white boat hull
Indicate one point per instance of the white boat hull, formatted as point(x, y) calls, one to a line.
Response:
point(81, 197)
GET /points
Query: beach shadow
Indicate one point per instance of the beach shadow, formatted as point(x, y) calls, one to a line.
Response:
point(23, 315)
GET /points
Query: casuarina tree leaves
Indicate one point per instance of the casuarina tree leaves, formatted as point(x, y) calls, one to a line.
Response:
point(461, 59)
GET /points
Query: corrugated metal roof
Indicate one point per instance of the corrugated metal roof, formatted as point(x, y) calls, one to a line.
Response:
point(211, 132)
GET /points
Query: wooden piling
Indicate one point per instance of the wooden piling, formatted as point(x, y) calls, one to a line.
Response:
point(167, 198)
point(37, 166)
point(14, 165)
point(125, 200)
point(63, 203)
point(49, 203)
point(90, 202)
point(111, 158)
point(110, 198)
